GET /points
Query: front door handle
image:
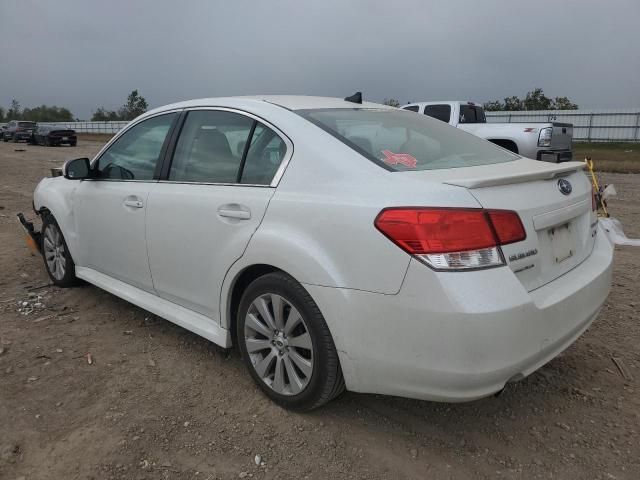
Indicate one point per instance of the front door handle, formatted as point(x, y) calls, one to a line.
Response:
point(134, 202)
point(233, 210)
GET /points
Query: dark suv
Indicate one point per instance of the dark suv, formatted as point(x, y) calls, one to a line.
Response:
point(17, 130)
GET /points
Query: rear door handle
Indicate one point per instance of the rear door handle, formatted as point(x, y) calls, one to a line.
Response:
point(233, 210)
point(133, 202)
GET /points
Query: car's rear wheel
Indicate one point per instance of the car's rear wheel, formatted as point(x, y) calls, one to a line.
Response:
point(57, 259)
point(286, 344)
point(47, 142)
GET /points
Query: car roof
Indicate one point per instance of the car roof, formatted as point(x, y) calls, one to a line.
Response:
point(291, 102)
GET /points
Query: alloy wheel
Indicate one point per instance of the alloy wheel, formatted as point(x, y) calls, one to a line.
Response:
point(279, 344)
point(54, 252)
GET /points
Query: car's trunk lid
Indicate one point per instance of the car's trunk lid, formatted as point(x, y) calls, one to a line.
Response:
point(560, 226)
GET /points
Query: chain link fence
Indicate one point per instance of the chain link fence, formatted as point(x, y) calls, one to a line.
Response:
point(588, 125)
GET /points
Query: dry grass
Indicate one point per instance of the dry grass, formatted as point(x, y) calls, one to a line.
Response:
point(95, 137)
point(610, 157)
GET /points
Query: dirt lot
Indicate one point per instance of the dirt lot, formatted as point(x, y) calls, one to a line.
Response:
point(159, 402)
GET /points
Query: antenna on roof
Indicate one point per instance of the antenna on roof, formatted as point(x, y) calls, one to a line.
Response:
point(355, 98)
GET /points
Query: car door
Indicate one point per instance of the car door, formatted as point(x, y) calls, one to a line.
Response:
point(110, 209)
point(201, 217)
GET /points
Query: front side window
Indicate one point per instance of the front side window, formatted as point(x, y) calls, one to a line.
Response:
point(401, 141)
point(212, 148)
point(413, 108)
point(134, 155)
point(441, 112)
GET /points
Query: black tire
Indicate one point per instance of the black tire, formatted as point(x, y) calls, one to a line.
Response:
point(69, 278)
point(47, 142)
point(73, 144)
point(15, 139)
point(326, 381)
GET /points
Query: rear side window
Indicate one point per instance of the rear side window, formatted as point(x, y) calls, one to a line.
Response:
point(264, 156)
point(134, 155)
point(472, 114)
point(226, 147)
point(441, 112)
point(400, 141)
point(26, 124)
point(413, 108)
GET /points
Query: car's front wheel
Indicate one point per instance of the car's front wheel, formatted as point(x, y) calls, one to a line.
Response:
point(286, 344)
point(57, 259)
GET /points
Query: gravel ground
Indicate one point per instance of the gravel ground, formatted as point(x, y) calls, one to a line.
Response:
point(159, 402)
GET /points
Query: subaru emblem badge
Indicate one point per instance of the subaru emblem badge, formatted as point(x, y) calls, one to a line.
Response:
point(564, 186)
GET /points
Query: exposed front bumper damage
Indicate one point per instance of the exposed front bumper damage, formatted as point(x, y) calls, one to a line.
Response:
point(33, 237)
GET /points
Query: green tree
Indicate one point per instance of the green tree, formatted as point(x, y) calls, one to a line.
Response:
point(2, 115)
point(537, 100)
point(392, 102)
point(513, 103)
point(45, 113)
point(14, 111)
point(103, 115)
point(563, 103)
point(136, 105)
point(494, 106)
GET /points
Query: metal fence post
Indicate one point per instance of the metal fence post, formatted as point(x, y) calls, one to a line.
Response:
point(590, 123)
point(635, 136)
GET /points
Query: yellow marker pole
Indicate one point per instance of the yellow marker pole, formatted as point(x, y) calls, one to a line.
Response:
point(594, 182)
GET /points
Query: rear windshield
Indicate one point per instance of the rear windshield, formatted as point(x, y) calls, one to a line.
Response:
point(398, 140)
point(472, 114)
point(26, 124)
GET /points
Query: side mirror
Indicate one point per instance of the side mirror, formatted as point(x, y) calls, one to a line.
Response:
point(78, 169)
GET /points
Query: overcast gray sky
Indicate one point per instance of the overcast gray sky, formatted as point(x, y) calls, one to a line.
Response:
point(83, 54)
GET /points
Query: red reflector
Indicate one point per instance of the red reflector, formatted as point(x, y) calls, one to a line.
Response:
point(420, 231)
point(508, 226)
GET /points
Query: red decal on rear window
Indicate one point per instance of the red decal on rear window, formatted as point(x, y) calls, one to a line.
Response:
point(399, 158)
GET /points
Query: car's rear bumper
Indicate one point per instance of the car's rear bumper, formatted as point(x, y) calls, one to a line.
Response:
point(57, 140)
point(461, 336)
point(21, 136)
point(555, 156)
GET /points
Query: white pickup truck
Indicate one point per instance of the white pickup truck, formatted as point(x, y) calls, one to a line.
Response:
point(550, 142)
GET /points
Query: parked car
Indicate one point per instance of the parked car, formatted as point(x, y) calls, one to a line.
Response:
point(550, 142)
point(335, 244)
point(18, 130)
point(51, 135)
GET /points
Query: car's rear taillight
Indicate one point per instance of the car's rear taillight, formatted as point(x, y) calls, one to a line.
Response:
point(452, 238)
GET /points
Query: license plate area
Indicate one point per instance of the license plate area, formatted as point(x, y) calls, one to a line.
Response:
point(65, 138)
point(562, 245)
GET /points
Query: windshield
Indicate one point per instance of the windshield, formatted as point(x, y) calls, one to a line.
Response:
point(399, 140)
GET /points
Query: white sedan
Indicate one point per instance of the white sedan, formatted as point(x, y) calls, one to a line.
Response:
point(336, 244)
